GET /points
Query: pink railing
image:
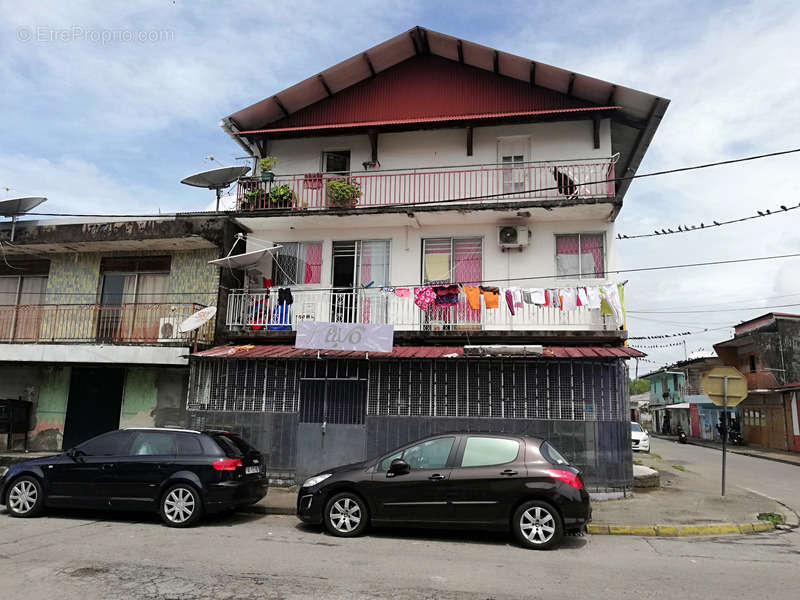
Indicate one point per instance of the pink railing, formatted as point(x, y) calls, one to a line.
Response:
point(142, 323)
point(480, 184)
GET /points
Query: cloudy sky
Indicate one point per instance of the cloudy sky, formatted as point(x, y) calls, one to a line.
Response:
point(100, 124)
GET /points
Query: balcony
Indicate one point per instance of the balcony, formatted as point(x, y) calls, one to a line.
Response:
point(260, 312)
point(128, 323)
point(476, 185)
point(761, 380)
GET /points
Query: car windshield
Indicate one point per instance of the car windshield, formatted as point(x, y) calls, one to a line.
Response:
point(636, 428)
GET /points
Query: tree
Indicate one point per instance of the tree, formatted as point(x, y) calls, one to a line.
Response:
point(638, 386)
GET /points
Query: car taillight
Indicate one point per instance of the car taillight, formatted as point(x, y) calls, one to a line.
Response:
point(568, 477)
point(227, 464)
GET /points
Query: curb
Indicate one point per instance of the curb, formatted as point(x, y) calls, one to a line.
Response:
point(734, 450)
point(680, 530)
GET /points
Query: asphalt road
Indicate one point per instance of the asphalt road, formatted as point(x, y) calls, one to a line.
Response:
point(780, 481)
point(80, 555)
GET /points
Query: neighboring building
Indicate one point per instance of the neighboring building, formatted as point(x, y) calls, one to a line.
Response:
point(677, 398)
point(765, 349)
point(88, 321)
point(473, 165)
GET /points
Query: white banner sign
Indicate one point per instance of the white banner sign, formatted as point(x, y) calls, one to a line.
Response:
point(316, 335)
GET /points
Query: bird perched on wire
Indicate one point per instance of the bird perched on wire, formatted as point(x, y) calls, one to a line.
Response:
point(760, 214)
point(783, 207)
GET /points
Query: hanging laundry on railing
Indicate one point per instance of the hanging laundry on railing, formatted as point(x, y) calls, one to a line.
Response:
point(569, 298)
point(402, 292)
point(491, 296)
point(446, 295)
point(387, 290)
point(583, 297)
point(473, 294)
point(424, 297)
point(509, 301)
point(553, 298)
point(613, 302)
point(285, 296)
point(593, 296)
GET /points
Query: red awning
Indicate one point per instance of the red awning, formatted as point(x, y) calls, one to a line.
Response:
point(286, 351)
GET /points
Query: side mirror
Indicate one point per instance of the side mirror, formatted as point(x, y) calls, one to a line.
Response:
point(72, 452)
point(398, 467)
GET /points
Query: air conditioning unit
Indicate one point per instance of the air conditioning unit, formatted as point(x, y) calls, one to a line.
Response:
point(512, 236)
point(168, 329)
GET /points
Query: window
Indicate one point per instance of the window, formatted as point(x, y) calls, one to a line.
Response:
point(113, 443)
point(337, 161)
point(580, 256)
point(451, 260)
point(233, 445)
point(636, 428)
point(432, 454)
point(20, 313)
point(552, 455)
point(152, 443)
point(752, 363)
point(297, 263)
point(188, 444)
point(485, 451)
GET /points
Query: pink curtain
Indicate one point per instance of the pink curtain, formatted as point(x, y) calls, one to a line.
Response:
point(313, 262)
point(592, 244)
point(467, 259)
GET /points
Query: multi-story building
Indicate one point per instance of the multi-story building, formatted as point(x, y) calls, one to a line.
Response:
point(765, 350)
point(432, 161)
point(89, 315)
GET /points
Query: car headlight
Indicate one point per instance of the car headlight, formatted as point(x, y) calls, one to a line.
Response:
point(317, 479)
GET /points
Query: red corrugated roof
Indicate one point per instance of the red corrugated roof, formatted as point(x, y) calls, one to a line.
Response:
point(428, 89)
point(286, 351)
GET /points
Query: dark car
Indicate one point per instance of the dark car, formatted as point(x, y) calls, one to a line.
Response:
point(474, 480)
point(178, 473)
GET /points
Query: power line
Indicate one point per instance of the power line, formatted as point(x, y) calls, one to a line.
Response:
point(486, 196)
point(702, 227)
point(676, 312)
point(661, 336)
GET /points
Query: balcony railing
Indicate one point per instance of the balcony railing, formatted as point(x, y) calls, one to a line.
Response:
point(128, 323)
point(479, 184)
point(257, 311)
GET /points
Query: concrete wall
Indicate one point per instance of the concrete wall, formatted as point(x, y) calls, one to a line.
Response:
point(190, 272)
point(153, 397)
point(567, 140)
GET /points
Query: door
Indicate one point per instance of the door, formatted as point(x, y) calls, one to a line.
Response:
point(112, 297)
point(420, 495)
point(137, 476)
point(86, 478)
point(512, 154)
point(776, 428)
point(489, 477)
point(94, 403)
point(331, 429)
point(343, 303)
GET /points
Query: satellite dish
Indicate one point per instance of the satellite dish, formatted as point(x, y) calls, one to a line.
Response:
point(215, 179)
point(18, 206)
point(242, 261)
point(198, 319)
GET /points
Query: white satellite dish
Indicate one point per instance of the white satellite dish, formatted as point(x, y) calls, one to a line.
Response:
point(242, 261)
point(215, 179)
point(18, 206)
point(198, 319)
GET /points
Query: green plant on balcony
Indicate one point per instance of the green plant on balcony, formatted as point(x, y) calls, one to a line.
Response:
point(343, 193)
point(282, 196)
point(254, 198)
point(266, 165)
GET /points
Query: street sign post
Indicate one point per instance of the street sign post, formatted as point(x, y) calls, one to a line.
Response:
point(725, 386)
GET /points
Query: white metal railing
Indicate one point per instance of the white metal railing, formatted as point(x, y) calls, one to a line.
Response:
point(260, 310)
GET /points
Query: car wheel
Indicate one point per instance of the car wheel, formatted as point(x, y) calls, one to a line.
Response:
point(346, 515)
point(537, 525)
point(181, 506)
point(25, 497)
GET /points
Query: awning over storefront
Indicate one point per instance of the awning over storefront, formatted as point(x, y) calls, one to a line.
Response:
point(287, 351)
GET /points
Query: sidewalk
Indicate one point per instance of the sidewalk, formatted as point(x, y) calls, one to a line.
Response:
point(790, 458)
point(685, 504)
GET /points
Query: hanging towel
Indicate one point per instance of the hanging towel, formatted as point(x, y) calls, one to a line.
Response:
point(510, 301)
point(437, 267)
point(612, 303)
point(583, 297)
point(516, 295)
point(527, 297)
point(538, 296)
point(569, 298)
point(402, 292)
point(473, 294)
point(491, 296)
point(594, 300)
point(555, 301)
point(424, 297)
point(446, 295)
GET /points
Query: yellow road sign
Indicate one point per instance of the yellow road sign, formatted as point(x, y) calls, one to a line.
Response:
point(713, 385)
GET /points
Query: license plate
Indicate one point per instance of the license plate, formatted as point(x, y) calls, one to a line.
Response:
point(251, 470)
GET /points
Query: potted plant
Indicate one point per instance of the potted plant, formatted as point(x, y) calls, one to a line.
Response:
point(266, 165)
point(254, 198)
point(343, 193)
point(282, 196)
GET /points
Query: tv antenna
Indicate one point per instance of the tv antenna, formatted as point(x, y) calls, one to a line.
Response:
point(216, 179)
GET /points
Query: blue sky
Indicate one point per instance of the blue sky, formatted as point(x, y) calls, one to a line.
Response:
point(114, 125)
